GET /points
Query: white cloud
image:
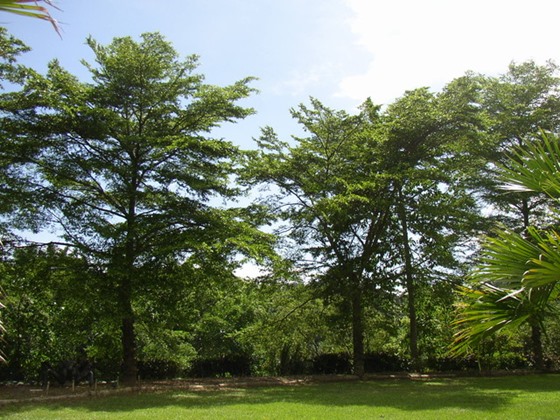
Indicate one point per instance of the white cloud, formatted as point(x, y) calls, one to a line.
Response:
point(299, 82)
point(416, 43)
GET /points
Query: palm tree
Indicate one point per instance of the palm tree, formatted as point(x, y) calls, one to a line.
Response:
point(519, 273)
point(30, 8)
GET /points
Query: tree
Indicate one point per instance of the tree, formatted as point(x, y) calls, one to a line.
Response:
point(332, 190)
point(50, 313)
point(128, 167)
point(290, 327)
point(16, 202)
point(518, 273)
point(429, 138)
point(519, 103)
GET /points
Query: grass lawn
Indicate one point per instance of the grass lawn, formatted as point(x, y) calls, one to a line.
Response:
point(510, 397)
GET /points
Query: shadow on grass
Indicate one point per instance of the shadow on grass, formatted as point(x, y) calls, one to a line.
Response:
point(475, 394)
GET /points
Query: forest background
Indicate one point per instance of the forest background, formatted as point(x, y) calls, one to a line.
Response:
point(382, 207)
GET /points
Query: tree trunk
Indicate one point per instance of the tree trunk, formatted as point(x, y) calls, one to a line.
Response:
point(129, 365)
point(410, 288)
point(413, 321)
point(536, 339)
point(525, 212)
point(536, 333)
point(357, 331)
point(129, 370)
point(128, 336)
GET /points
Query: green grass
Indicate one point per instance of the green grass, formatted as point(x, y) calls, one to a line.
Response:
point(512, 397)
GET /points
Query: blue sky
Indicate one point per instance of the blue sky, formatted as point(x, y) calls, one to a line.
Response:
point(340, 51)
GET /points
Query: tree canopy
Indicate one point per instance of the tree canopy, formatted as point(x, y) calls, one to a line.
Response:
point(126, 168)
point(518, 272)
point(360, 231)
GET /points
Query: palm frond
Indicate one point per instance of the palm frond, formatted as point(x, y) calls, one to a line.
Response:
point(30, 8)
point(519, 274)
point(545, 266)
point(535, 167)
point(493, 309)
point(505, 260)
point(489, 311)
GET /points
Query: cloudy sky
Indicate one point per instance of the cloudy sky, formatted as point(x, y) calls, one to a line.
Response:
point(340, 51)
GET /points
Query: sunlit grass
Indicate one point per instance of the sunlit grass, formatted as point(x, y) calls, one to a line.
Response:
point(522, 397)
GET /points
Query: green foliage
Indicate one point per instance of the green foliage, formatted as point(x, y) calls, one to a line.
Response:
point(534, 168)
point(10, 49)
point(290, 328)
point(127, 167)
point(381, 206)
point(522, 101)
point(34, 10)
point(333, 191)
point(517, 106)
point(52, 312)
point(518, 273)
point(18, 207)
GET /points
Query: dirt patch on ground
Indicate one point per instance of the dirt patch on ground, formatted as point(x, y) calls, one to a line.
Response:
point(13, 393)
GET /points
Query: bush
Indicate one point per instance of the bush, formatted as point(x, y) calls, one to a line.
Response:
point(451, 364)
point(511, 360)
point(13, 372)
point(292, 364)
point(159, 369)
point(230, 365)
point(496, 361)
point(384, 362)
point(331, 363)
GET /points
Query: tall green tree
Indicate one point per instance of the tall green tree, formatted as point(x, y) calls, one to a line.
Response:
point(518, 104)
point(517, 277)
point(16, 202)
point(429, 137)
point(128, 166)
point(331, 189)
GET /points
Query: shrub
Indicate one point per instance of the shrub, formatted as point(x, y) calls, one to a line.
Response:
point(331, 363)
point(159, 369)
point(229, 365)
point(384, 362)
point(451, 364)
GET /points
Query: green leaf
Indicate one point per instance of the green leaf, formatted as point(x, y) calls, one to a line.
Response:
point(34, 10)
